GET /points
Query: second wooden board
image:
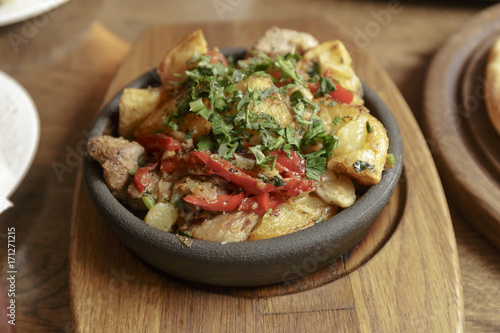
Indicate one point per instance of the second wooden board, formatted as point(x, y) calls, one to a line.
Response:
point(463, 140)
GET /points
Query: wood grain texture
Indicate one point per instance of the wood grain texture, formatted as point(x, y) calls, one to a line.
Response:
point(465, 143)
point(411, 281)
point(64, 92)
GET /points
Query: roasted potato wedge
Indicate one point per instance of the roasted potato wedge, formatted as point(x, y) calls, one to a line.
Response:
point(154, 120)
point(363, 142)
point(273, 105)
point(135, 106)
point(295, 214)
point(191, 122)
point(176, 60)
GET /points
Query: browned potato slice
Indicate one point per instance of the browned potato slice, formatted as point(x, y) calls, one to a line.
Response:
point(355, 142)
point(274, 105)
point(190, 122)
point(195, 123)
point(176, 60)
point(333, 55)
point(295, 214)
point(135, 106)
point(154, 120)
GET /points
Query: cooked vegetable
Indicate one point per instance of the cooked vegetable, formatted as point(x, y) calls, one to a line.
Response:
point(266, 146)
point(162, 216)
point(332, 57)
point(135, 106)
point(361, 154)
point(293, 215)
point(336, 189)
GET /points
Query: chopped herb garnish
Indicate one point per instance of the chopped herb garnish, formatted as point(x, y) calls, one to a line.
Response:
point(184, 233)
point(204, 143)
point(315, 130)
point(330, 142)
point(276, 180)
point(148, 201)
point(197, 106)
point(321, 219)
point(369, 129)
point(139, 161)
point(315, 165)
point(261, 158)
point(227, 150)
point(288, 70)
point(314, 70)
point(189, 134)
point(212, 91)
point(391, 160)
point(220, 127)
point(326, 86)
point(362, 165)
point(168, 122)
point(336, 120)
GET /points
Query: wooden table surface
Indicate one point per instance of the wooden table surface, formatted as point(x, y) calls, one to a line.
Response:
point(48, 56)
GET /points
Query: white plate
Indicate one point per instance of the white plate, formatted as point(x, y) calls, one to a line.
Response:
point(19, 134)
point(13, 11)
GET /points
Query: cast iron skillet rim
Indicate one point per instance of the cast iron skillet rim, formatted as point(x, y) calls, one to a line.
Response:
point(335, 229)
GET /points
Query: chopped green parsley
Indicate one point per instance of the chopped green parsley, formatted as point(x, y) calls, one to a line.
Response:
point(362, 166)
point(211, 91)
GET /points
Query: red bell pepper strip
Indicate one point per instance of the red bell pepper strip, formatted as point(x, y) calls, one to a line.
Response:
point(261, 203)
point(217, 57)
point(141, 179)
point(290, 162)
point(223, 203)
point(171, 165)
point(228, 171)
point(277, 75)
point(158, 142)
point(264, 196)
point(340, 93)
point(141, 176)
point(296, 186)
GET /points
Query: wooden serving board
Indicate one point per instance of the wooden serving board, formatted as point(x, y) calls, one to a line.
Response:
point(403, 276)
point(464, 142)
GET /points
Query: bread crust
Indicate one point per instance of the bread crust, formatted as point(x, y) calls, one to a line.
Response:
point(492, 85)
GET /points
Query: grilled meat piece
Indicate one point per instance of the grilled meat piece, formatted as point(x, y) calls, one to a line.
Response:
point(117, 156)
point(225, 227)
point(278, 41)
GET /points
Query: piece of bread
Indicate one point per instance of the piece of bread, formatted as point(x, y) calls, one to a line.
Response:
point(492, 85)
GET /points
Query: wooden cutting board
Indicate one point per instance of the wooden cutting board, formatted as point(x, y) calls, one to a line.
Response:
point(465, 143)
point(403, 276)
